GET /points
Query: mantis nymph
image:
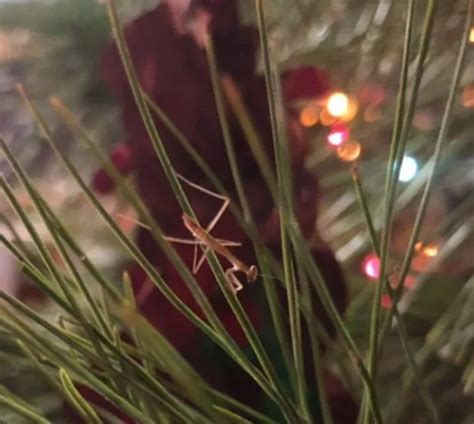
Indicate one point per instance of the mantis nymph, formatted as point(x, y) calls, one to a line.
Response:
point(203, 237)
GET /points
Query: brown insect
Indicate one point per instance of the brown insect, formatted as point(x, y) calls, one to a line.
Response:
point(219, 246)
point(203, 237)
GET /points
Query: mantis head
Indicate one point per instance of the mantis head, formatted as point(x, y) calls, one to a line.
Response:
point(252, 274)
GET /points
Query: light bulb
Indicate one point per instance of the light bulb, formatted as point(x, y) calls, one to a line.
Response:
point(338, 135)
point(338, 104)
point(408, 169)
point(429, 250)
point(352, 109)
point(349, 151)
point(371, 266)
point(309, 116)
point(326, 118)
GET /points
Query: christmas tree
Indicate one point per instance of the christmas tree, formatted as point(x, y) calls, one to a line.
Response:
point(286, 193)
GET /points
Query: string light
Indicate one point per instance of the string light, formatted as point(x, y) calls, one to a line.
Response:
point(429, 250)
point(326, 118)
point(351, 111)
point(349, 151)
point(309, 116)
point(338, 135)
point(371, 267)
point(468, 96)
point(408, 169)
point(337, 104)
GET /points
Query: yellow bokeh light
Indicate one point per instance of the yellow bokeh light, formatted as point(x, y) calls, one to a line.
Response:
point(352, 109)
point(428, 250)
point(471, 35)
point(431, 250)
point(349, 151)
point(338, 104)
point(309, 116)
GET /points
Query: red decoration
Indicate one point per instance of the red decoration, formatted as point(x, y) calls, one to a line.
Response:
point(173, 70)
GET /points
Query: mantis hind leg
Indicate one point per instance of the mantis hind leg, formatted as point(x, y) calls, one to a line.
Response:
point(198, 264)
point(205, 250)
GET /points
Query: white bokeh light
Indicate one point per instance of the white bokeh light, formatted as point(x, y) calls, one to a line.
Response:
point(408, 169)
point(338, 104)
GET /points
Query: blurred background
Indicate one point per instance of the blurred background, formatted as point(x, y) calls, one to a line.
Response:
point(55, 47)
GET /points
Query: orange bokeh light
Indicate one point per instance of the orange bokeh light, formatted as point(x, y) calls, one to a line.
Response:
point(326, 118)
point(309, 116)
point(468, 96)
point(349, 151)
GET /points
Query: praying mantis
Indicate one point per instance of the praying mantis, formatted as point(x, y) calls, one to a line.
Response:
point(202, 237)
